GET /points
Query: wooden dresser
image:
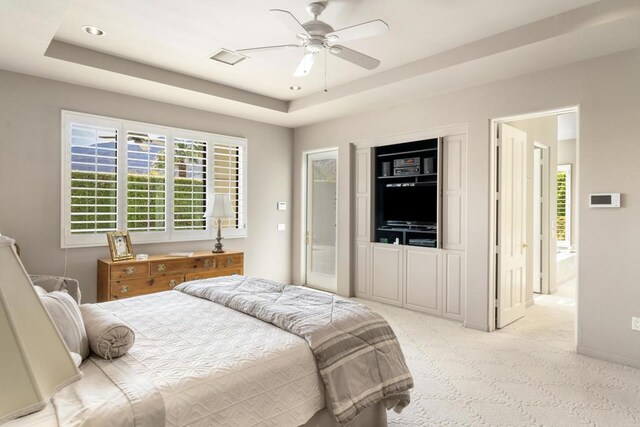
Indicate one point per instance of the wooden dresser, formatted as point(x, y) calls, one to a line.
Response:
point(123, 279)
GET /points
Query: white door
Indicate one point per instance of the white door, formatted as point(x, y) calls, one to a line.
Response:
point(321, 220)
point(512, 225)
point(538, 208)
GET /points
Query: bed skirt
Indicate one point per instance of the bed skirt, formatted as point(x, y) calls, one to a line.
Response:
point(374, 416)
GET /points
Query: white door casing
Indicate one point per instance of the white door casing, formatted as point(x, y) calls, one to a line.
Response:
point(512, 225)
point(321, 220)
point(538, 207)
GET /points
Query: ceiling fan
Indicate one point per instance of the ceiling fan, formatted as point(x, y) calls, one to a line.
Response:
point(315, 36)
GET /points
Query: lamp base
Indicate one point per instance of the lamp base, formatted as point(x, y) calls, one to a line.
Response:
point(218, 247)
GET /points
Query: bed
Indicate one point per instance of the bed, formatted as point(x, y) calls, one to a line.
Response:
point(199, 363)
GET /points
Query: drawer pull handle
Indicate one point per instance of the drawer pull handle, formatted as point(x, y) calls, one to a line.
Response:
point(161, 267)
point(229, 261)
point(173, 283)
point(207, 263)
point(124, 289)
point(196, 278)
point(131, 270)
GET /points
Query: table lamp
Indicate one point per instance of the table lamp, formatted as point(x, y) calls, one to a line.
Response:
point(219, 208)
point(35, 360)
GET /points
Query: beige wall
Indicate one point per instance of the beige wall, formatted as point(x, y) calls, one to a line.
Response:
point(30, 176)
point(567, 155)
point(608, 92)
point(543, 130)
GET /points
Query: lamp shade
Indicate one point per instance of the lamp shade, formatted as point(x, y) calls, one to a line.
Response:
point(220, 207)
point(35, 360)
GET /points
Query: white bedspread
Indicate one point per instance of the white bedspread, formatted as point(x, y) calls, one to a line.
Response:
point(213, 366)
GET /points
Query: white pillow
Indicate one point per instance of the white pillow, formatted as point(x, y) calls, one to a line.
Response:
point(109, 337)
point(40, 290)
point(65, 313)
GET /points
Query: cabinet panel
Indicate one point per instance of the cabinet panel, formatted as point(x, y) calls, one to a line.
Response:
point(363, 215)
point(423, 280)
point(454, 192)
point(362, 270)
point(363, 195)
point(454, 285)
point(386, 274)
point(363, 170)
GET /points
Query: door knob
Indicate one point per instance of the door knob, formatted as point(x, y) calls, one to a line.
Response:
point(525, 246)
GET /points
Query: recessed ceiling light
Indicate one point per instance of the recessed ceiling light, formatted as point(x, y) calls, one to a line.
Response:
point(94, 31)
point(295, 87)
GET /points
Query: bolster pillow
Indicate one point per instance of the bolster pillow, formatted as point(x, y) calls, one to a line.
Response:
point(109, 337)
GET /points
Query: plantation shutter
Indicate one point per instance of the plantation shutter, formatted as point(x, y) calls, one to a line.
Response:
point(146, 186)
point(228, 172)
point(94, 179)
point(189, 184)
point(150, 180)
point(563, 218)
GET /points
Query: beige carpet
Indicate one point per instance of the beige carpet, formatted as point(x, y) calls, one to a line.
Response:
point(524, 375)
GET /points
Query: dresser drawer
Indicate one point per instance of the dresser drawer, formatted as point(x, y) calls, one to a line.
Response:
point(129, 270)
point(207, 274)
point(133, 287)
point(182, 264)
point(230, 261)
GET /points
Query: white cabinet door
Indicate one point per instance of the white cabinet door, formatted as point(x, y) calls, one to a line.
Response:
point(363, 195)
point(454, 285)
point(362, 269)
point(423, 281)
point(386, 273)
point(454, 192)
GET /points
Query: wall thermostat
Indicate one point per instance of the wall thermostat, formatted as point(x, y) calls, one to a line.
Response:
point(604, 200)
point(282, 206)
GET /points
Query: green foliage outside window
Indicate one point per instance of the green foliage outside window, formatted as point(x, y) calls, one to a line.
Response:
point(95, 200)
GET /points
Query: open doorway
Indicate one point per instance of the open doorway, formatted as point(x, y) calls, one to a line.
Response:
point(534, 261)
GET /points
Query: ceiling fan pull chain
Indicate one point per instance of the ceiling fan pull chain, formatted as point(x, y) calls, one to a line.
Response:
point(325, 71)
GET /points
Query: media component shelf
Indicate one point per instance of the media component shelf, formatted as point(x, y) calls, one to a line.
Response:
point(408, 193)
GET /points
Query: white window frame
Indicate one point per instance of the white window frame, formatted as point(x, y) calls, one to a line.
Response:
point(69, 240)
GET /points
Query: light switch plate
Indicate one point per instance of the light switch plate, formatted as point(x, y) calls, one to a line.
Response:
point(635, 323)
point(281, 227)
point(282, 206)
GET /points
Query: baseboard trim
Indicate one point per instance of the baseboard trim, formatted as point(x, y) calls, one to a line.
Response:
point(477, 326)
point(605, 355)
point(529, 303)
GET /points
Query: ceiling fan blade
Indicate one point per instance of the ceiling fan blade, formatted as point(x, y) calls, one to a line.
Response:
point(355, 57)
point(292, 23)
point(266, 48)
point(360, 31)
point(305, 65)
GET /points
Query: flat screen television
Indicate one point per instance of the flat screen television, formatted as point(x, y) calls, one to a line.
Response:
point(410, 204)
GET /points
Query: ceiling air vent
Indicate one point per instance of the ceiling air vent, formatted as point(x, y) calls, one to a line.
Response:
point(228, 56)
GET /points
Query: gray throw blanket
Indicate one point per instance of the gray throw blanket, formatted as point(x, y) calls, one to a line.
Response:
point(357, 352)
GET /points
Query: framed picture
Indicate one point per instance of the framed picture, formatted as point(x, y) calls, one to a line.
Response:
point(120, 245)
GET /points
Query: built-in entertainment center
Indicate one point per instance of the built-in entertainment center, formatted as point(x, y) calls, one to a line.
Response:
point(409, 218)
point(407, 193)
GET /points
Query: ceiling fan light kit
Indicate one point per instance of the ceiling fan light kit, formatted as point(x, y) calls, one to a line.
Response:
point(315, 36)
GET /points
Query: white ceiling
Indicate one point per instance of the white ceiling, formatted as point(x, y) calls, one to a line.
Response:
point(160, 49)
point(182, 35)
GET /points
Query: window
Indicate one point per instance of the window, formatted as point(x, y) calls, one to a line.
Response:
point(189, 183)
point(563, 218)
point(150, 180)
